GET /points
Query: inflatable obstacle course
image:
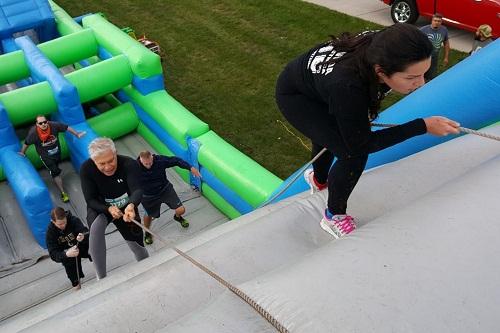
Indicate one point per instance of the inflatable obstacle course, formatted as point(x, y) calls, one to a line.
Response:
point(107, 63)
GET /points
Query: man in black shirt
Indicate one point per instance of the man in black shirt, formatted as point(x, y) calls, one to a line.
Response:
point(157, 189)
point(67, 244)
point(110, 185)
point(44, 135)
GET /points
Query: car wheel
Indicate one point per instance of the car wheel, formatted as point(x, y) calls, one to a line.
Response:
point(404, 11)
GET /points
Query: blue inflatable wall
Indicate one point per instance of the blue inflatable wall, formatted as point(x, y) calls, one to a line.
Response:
point(21, 15)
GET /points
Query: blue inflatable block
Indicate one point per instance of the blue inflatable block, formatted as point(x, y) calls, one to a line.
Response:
point(193, 149)
point(65, 93)
point(31, 193)
point(103, 53)
point(78, 148)
point(148, 85)
point(7, 133)
point(18, 16)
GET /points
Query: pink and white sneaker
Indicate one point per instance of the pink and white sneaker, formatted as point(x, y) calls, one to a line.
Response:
point(312, 182)
point(337, 225)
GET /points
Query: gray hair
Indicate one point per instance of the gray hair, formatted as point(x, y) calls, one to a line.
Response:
point(101, 145)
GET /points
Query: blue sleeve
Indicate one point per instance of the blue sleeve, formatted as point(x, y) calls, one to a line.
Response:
point(171, 161)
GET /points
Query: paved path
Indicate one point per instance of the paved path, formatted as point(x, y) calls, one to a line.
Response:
point(378, 12)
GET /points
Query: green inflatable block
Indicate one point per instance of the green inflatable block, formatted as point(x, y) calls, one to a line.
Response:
point(92, 82)
point(219, 202)
point(174, 118)
point(115, 122)
point(237, 171)
point(102, 78)
point(65, 23)
point(69, 49)
point(13, 67)
point(61, 51)
point(24, 104)
point(143, 62)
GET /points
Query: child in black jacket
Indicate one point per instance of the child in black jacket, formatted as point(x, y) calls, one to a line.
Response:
point(66, 241)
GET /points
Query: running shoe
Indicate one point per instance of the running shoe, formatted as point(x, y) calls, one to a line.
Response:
point(312, 182)
point(148, 238)
point(181, 220)
point(337, 225)
point(64, 197)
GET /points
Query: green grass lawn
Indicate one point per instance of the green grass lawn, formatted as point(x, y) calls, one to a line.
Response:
point(223, 58)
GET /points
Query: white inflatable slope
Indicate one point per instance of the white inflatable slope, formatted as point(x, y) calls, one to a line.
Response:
point(423, 259)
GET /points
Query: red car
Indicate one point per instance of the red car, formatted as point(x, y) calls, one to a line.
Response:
point(463, 14)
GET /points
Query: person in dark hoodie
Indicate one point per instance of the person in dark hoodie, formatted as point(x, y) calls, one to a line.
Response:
point(66, 241)
point(157, 189)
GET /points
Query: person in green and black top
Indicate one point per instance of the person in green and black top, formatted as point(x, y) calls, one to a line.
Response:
point(44, 135)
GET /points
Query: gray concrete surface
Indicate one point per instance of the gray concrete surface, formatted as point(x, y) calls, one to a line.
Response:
point(378, 12)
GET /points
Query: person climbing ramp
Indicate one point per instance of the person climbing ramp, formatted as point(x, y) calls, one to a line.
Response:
point(333, 92)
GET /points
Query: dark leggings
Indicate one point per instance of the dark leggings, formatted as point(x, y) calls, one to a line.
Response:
point(312, 119)
point(132, 234)
point(70, 264)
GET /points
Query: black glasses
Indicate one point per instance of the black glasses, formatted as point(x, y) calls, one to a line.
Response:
point(42, 122)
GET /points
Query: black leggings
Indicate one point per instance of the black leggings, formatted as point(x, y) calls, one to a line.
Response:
point(312, 119)
point(70, 263)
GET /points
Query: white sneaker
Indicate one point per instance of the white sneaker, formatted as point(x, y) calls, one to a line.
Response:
point(338, 225)
point(309, 178)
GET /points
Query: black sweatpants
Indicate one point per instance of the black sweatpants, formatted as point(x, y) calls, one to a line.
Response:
point(312, 119)
point(70, 264)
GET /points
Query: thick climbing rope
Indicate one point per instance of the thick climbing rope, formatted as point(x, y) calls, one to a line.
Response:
point(238, 292)
point(300, 172)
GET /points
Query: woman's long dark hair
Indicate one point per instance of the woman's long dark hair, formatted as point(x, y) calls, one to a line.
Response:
point(393, 49)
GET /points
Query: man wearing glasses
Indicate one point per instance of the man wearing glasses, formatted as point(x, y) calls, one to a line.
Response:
point(44, 135)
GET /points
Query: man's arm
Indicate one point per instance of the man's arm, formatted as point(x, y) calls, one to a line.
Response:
point(75, 133)
point(171, 161)
point(27, 141)
point(23, 149)
point(446, 51)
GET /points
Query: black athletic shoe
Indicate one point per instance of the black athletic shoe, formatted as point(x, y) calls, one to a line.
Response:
point(181, 220)
point(148, 238)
